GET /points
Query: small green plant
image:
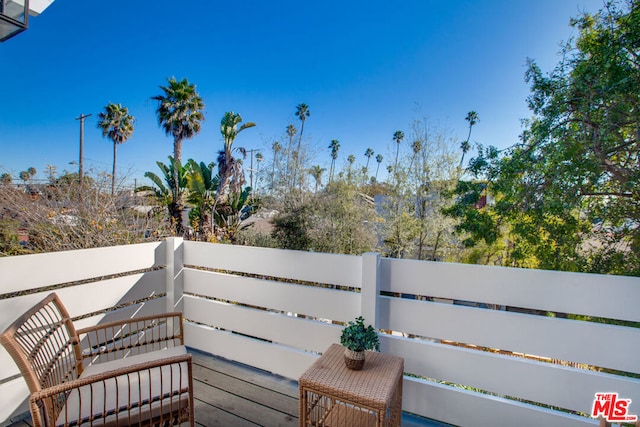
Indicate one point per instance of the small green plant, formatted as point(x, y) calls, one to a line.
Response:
point(357, 337)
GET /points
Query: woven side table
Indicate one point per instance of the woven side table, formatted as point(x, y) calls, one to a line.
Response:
point(332, 395)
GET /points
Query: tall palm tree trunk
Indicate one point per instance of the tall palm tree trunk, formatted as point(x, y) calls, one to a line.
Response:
point(297, 166)
point(113, 172)
point(177, 156)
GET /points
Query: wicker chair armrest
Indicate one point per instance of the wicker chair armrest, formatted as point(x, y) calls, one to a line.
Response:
point(106, 326)
point(142, 334)
point(181, 384)
point(70, 385)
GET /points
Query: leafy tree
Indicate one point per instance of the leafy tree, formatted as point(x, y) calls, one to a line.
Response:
point(59, 220)
point(117, 124)
point(291, 228)
point(343, 220)
point(180, 114)
point(6, 179)
point(568, 196)
point(413, 223)
point(338, 220)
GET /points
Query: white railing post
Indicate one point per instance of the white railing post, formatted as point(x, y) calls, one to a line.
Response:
point(174, 276)
point(370, 288)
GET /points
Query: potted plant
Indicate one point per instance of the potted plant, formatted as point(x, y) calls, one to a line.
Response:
point(356, 338)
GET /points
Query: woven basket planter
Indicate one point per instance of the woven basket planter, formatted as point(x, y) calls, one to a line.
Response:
point(354, 359)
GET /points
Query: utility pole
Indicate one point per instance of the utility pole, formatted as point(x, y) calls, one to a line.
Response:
point(80, 162)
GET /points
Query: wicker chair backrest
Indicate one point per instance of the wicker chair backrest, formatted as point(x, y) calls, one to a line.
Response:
point(44, 344)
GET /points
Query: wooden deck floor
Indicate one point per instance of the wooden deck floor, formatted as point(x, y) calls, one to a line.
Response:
point(231, 394)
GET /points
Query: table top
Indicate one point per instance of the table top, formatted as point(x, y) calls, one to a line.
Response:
point(374, 385)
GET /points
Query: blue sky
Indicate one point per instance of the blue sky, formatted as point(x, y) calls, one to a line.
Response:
point(366, 69)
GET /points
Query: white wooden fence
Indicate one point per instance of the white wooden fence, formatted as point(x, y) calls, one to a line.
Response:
point(277, 310)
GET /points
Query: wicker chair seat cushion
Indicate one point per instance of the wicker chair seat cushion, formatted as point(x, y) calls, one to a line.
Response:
point(136, 395)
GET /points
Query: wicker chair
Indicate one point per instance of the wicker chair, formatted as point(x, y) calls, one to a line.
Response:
point(135, 372)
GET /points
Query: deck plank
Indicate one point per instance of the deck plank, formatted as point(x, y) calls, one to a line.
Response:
point(228, 393)
point(239, 388)
point(249, 374)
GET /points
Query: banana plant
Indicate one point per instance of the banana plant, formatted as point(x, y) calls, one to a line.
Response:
point(228, 217)
point(169, 192)
point(202, 185)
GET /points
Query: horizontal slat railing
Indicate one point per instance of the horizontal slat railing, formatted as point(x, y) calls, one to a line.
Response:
point(509, 364)
point(462, 407)
point(504, 375)
point(287, 312)
point(563, 292)
point(332, 269)
point(278, 328)
point(287, 297)
point(467, 365)
point(26, 272)
point(553, 338)
point(96, 285)
point(469, 347)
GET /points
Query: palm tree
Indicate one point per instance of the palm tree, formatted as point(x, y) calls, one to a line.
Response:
point(5, 179)
point(259, 158)
point(180, 114)
point(276, 149)
point(351, 159)
point(116, 124)
point(25, 176)
point(379, 159)
point(316, 173)
point(472, 118)
point(416, 146)
point(291, 132)
point(230, 170)
point(398, 136)
point(334, 146)
point(302, 112)
point(368, 154)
